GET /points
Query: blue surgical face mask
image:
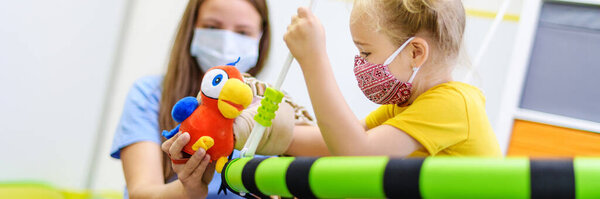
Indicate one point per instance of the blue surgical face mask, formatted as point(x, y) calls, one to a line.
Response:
point(213, 47)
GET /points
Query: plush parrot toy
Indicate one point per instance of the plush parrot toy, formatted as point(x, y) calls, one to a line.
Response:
point(208, 118)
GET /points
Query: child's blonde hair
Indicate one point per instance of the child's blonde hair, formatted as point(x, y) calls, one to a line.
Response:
point(443, 20)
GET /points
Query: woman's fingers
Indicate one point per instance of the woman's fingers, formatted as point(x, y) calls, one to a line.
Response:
point(167, 144)
point(208, 172)
point(192, 163)
point(178, 144)
point(199, 170)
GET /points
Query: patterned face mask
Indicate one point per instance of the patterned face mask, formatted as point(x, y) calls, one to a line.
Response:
point(378, 84)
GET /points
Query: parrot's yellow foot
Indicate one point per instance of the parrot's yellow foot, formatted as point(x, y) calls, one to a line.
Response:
point(220, 164)
point(204, 142)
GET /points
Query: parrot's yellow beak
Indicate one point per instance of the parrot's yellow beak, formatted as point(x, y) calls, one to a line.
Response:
point(234, 98)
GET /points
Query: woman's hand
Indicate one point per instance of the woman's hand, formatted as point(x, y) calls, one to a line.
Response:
point(196, 173)
point(305, 37)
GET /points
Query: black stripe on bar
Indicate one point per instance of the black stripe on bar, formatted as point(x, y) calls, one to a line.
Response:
point(248, 177)
point(224, 181)
point(401, 178)
point(296, 177)
point(552, 179)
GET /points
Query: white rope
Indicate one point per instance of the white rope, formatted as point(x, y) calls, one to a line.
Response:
point(487, 39)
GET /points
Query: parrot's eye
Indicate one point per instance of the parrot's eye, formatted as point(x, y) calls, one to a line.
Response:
point(217, 80)
point(213, 82)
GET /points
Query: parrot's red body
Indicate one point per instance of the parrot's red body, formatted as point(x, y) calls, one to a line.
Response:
point(208, 118)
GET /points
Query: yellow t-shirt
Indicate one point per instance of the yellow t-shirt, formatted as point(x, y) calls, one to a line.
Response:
point(448, 119)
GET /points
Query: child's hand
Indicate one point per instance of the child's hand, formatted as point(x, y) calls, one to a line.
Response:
point(276, 139)
point(305, 37)
point(196, 173)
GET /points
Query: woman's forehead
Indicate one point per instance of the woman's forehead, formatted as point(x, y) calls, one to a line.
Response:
point(236, 12)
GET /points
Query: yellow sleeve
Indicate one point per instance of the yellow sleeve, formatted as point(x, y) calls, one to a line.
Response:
point(437, 119)
point(379, 116)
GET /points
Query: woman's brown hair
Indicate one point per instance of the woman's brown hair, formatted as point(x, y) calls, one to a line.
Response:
point(183, 76)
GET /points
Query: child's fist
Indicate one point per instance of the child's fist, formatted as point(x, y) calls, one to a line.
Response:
point(305, 36)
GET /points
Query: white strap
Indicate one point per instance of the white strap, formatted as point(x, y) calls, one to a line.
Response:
point(412, 77)
point(393, 56)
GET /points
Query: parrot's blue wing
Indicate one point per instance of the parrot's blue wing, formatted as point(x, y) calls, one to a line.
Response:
point(170, 134)
point(184, 108)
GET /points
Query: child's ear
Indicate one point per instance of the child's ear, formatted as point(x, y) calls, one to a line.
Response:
point(420, 51)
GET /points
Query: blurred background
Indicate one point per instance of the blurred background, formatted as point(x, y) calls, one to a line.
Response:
point(67, 65)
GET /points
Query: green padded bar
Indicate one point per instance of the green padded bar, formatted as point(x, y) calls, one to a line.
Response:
point(348, 177)
point(233, 174)
point(439, 177)
point(587, 178)
point(270, 176)
point(475, 178)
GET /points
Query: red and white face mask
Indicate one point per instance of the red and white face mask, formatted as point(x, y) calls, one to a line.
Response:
point(378, 84)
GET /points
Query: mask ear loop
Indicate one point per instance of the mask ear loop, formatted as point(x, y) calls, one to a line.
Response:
point(412, 77)
point(393, 56)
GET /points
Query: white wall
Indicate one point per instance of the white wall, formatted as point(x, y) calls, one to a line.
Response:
point(55, 58)
point(146, 46)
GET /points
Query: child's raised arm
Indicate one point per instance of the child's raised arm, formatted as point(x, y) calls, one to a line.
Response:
point(342, 131)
